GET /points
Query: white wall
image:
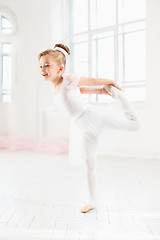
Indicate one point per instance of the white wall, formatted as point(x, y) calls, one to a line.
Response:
point(33, 18)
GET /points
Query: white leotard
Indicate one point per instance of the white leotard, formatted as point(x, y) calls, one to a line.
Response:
point(69, 100)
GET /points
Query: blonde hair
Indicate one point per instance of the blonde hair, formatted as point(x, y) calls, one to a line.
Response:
point(60, 57)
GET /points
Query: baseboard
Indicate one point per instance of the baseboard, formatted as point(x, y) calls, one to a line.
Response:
point(132, 156)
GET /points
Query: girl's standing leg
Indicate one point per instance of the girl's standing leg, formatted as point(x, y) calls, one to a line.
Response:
point(90, 155)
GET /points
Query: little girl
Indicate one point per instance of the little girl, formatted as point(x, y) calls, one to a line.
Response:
point(87, 122)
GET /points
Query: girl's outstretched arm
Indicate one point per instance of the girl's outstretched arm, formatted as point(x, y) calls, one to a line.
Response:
point(97, 81)
point(89, 90)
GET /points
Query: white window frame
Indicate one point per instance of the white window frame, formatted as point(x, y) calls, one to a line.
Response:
point(8, 38)
point(91, 32)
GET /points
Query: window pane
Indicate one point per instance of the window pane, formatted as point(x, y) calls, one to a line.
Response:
point(6, 98)
point(81, 58)
point(6, 47)
point(102, 58)
point(103, 55)
point(133, 27)
point(6, 72)
point(130, 10)
point(79, 17)
point(80, 38)
point(136, 94)
point(80, 55)
point(102, 13)
point(6, 25)
point(132, 55)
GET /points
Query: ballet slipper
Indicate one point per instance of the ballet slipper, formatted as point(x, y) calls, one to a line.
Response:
point(108, 88)
point(114, 91)
point(87, 208)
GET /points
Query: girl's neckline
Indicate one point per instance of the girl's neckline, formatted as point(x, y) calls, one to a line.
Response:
point(59, 89)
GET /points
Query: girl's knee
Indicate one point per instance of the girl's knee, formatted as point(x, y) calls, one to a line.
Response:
point(90, 163)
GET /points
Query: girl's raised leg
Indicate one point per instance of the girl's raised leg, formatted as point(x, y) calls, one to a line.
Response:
point(125, 120)
point(128, 107)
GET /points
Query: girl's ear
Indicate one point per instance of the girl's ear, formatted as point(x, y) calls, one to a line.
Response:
point(61, 69)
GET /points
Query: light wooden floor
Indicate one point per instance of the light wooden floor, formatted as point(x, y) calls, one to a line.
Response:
point(41, 195)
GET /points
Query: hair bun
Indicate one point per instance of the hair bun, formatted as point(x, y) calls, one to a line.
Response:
point(63, 47)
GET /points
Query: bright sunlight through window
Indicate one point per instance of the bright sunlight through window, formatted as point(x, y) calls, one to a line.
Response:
point(5, 59)
point(108, 39)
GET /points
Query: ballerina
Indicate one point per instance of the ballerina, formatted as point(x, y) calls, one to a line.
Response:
point(87, 122)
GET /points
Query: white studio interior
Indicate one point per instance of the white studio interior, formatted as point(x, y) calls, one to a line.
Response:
point(40, 193)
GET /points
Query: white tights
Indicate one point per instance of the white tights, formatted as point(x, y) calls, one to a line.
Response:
point(128, 122)
point(90, 148)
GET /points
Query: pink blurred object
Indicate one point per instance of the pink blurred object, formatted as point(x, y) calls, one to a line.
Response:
point(49, 145)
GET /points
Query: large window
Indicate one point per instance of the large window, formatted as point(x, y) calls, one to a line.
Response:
point(6, 59)
point(107, 39)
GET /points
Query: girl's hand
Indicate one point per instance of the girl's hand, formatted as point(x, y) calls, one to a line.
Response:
point(113, 83)
point(107, 88)
point(105, 92)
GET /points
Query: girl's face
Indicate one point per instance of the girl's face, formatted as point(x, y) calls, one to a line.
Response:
point(49, 69)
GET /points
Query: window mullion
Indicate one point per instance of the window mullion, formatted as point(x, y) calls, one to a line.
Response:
point(63, 19)
point(94, 31)
point(116, 47)
point(0, 24)
point(89, 43)
point(0, 69)
point(71, 34)
point(89, 46)
point(132, 22)
point(7, 55)
point(123, 56)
